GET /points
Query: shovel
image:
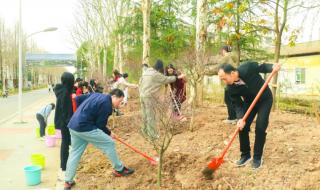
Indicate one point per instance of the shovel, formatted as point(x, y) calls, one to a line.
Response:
point(216, 162)
point(153, 161)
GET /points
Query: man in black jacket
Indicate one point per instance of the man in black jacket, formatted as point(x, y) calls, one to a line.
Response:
point(62, 116)
point(244, 84)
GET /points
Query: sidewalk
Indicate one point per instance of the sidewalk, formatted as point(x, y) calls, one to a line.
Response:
point(18, 142)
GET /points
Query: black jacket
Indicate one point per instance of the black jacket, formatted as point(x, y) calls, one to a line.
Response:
point(243, 94)
point(63, 94)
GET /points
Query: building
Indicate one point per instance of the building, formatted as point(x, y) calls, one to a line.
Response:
point(300, 74)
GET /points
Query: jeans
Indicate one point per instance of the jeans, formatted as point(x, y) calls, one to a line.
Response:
point(42, 123)
point(79, 143)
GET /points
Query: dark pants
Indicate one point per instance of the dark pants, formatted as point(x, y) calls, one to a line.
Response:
point(262, 109)
point(42, 123)
point(231, 110)
point(64, 150)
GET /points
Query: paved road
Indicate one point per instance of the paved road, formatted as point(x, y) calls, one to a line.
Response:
point(18, 141)
point(9, 106)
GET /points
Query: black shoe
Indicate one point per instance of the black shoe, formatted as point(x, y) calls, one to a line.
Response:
point(124, 172)
point(244, 160)
point(256, 163)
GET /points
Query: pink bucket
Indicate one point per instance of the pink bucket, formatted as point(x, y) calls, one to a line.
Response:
point(58, 134)
point(50, 141)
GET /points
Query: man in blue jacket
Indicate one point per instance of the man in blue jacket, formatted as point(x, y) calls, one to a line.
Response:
point(88, 125)
point(243, 85)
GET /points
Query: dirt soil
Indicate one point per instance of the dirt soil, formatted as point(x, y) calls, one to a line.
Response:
point(291, 155)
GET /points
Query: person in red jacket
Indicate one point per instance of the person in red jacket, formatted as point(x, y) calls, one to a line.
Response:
point(78, 87)
point(177, 91)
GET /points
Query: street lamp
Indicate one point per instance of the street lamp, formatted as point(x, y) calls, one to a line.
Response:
point(20, 58)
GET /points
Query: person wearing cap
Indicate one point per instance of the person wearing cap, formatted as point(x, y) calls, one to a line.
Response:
point(151, 83)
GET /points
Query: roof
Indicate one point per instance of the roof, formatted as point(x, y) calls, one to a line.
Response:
point(306, 48)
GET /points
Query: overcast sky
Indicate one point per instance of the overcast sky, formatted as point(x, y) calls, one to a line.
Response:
point(40, 14)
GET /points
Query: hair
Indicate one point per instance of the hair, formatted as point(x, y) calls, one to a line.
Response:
point(125, 75)
point(92, 83)
point(170, 66)
point(226, 48)
point(117, 92)
point(227, 68)
point(78, 80)
point(158, 66)
point(85, 83)
point(53, 106)
point(116, 72)
point(145, 65)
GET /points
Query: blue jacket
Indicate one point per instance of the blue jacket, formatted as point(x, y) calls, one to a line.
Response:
point(93, 111)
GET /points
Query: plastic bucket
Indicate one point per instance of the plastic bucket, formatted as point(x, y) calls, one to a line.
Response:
point(50, 141)
point(38, 132)
point(33, 175)
point(58, 134)
point(38, 160)
point(51, 130)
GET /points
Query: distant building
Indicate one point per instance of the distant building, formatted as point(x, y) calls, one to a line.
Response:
point(300, 74)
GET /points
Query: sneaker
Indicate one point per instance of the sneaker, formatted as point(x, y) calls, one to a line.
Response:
point(256, 164)
point(244, 160)
point(42, 138)
point(230, 121)
point(69, 185)
point(125, 172)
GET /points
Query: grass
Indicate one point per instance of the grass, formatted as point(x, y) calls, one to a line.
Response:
point(302, 105)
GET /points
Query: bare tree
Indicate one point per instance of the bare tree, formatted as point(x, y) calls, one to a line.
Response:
point(195, 66)
point(162, 110)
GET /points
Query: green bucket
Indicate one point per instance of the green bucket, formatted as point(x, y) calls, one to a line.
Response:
point(51, 130)
point(38, 160)
point(38, 132)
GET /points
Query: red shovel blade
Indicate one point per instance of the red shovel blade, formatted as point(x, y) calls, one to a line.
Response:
point(215, 163)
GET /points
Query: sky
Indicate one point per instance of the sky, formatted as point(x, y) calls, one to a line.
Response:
point(41, 14)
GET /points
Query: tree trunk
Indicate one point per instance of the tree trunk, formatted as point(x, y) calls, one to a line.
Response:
point(120, 51)
point(159, 176)
point(201, 38)
point(146, 10)
point(116, 55)
point(279, 31)
point(275, 77)
point(104, 63)
point(238, 48)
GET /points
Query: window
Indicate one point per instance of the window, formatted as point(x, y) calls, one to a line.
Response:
point(300, 75)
